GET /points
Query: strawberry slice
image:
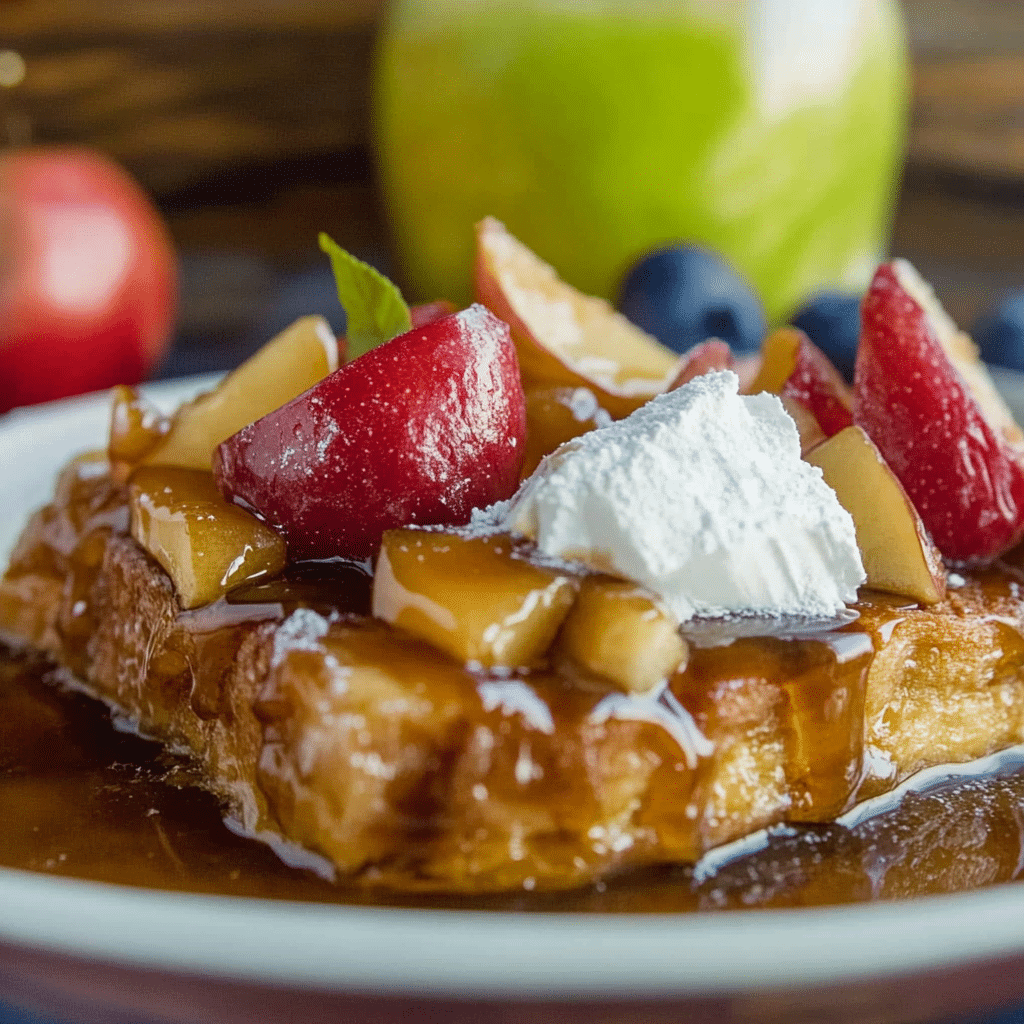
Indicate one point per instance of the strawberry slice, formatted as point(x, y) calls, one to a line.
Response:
point(966, 482)
point(422, 429)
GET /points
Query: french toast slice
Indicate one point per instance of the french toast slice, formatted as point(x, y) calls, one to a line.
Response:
point(321, 727)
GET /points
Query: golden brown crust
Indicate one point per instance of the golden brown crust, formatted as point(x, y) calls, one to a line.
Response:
point(401, 767)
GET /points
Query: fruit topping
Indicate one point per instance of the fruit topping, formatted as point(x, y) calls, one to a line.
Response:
point(420, 430)
point(284, 367)
point(617, 634)
point(999, 332)
point(963, 353)
point(683, 295)
point(811, 434)
point(792, 366)
point(555, 415)
point(469, 597)
point(946, 449)
point(702, 497)
point(832, 321)
point(703, 358)
point(898, 554)
point(136, 427)
point(205, 545)
point(565, 338)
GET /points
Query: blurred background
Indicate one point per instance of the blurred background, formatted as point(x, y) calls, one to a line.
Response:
point(804, 137)
point(250, 126)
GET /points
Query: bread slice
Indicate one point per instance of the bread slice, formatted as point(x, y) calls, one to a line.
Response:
point(338, 734)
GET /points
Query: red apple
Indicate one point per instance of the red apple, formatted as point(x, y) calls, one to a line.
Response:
point(818, 386)
point(87, 288)
point(793, 367)
point(422, 429)
point(964, 479)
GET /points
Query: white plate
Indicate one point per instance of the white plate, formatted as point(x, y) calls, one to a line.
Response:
point(936, 955)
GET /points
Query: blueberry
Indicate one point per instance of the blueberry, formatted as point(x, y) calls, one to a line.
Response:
point(684, 295)
point(999, 333)
point(832, 321)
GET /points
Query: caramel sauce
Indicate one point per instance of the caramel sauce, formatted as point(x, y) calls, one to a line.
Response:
point(81, 799)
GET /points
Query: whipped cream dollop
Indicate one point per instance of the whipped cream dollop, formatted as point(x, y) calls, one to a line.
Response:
point(702, 497)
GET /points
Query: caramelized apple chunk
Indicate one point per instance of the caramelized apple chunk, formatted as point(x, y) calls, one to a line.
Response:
point(897, 551)
point(290, 363)
point(618, 633)
point(136, 427)
point(205, 545)
point(470, 597)
point(555, 415)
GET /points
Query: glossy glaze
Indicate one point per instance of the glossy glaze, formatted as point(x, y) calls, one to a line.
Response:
point(81, 799)
point(410, 771)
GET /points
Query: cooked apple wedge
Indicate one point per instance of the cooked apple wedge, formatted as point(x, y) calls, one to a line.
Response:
point(563, 337)
point(619, 634)
point(778, 360)
point(422, 429)
point(793, 366)
point(709, 355)
point(898, 554)
point(290, 363)
point(205, 545)
point(469, 597)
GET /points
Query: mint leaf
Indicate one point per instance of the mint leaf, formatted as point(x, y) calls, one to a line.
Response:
point(374, 307)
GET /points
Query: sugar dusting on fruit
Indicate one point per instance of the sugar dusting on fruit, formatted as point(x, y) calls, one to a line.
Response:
point(701, 496)
point(950, 453)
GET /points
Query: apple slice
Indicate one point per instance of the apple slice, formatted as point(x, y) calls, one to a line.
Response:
point(205, 545)
point(811, 434)
point(420, 430)
point(964, 479)
point(897, 552)
point(563, 337)
point(284, 367)
point(962, 352)
point(792, 366)
point(136, 427)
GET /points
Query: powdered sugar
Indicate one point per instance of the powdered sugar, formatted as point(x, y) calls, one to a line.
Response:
point(700, 495)
point(301, 631)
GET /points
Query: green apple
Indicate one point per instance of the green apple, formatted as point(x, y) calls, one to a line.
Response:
point(769, 130)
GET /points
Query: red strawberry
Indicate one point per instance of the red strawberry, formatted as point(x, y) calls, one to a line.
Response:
point(965, 481)
point(422, 429)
